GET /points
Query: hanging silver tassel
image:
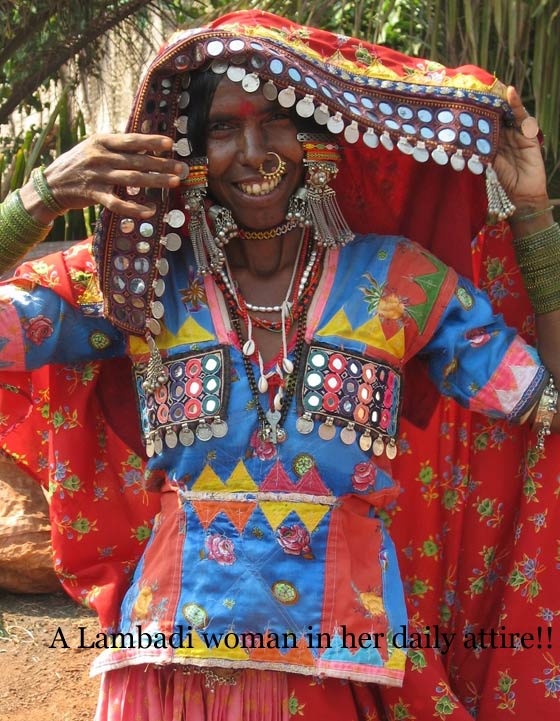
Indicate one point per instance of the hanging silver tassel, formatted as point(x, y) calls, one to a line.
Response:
point(207, 252)
point(298, 208)
point(500, 206)
point(156, 372)
point(321, 156)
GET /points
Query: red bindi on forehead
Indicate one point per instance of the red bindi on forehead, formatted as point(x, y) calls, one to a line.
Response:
point(244, 109)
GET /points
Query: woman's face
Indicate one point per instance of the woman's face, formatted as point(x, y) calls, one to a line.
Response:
point(243, 128)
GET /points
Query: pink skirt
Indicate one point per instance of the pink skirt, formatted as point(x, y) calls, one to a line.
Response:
point(152, 693)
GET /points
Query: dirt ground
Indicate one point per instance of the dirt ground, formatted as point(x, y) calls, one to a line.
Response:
point(39, 683)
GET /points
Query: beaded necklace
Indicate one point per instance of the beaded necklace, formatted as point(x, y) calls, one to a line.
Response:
point(275, 232)
point(272, 421)
point(305, 279)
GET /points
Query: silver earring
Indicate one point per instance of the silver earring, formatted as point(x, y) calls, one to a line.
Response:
point(321, 160)
point(208, 254)
point(225, 227)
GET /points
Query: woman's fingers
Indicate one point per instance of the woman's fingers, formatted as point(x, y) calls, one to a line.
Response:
point(123, 207)
point(523, 120)
point(135, 142)
point(89, 172)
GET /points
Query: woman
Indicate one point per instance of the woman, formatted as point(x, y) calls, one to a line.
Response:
point(268, 344)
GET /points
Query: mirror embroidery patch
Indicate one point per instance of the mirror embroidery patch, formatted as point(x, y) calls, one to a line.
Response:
point(190, 404)
point(346, 389)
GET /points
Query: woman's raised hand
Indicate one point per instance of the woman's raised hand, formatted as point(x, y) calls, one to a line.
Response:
point(88, 173)
point(519, 163)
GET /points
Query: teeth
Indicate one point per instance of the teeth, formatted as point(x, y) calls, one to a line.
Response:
point(267, 186)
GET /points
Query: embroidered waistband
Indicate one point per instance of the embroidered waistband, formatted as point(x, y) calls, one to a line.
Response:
point(258, 497)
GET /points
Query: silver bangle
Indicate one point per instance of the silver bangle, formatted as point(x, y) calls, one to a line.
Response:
point(546, 410)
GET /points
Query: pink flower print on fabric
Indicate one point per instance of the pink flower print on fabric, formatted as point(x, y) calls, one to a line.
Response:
point(364, 476)
point(263, 450)
point(295, 540)
point(220, 549)
point(38, 329)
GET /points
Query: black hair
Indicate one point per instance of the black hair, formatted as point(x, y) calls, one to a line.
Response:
point(201, 89)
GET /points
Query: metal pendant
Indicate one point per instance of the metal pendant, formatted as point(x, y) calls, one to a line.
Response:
point(391, 449)
point(182, 124)
point(269, 90)
point(439, 155)
point(159, 287)
point(378, 446)
point(154, 326)
point(172, 241)
point(475, 165)
point(273, 418)
point(158, 445)
point(170, 438)
point(321, 114)
point(287, 97)
point(219, 428)
point(150, 447)
point(186, 436)
point(281, 435)
point(370, 138)
point(251, 83)
point(183, 148)
point(305, 424)
point(386, 141)
point(175, 218)
point(366, 441)
point(458, 161)
point(158, 310)
point(335, 124)
point(305, 107)
point(420, 152)
point(203, 431)
point(348, 435)
point(327, 431)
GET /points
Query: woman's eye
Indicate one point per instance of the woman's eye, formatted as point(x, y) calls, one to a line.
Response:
point(218, 126)
point(280, 115)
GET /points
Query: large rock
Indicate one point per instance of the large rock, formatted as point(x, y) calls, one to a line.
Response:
point(25, 547)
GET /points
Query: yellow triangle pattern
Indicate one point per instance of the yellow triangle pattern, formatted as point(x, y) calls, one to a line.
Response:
point(189, 332)
point(240, 479)
point(310, 513)
point(371, 333)
point(208, 481)
point(338, 325)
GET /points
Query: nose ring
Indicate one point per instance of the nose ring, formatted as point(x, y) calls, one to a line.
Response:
point(278, 171)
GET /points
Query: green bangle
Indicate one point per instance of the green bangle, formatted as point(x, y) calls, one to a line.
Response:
point(542, 246)
point(44, 191)
point(550, 234)
point(19, 231)
point(20, 220)
point(538, 257)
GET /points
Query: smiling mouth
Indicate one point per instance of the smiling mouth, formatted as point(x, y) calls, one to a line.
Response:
point(258, 189)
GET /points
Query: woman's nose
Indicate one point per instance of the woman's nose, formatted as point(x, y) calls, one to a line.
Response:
point(253, 149)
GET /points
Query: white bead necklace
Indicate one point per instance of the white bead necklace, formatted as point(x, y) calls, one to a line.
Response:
point(249, 347)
